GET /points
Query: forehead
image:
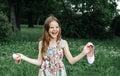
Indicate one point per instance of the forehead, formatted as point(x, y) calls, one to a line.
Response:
point(53, 24)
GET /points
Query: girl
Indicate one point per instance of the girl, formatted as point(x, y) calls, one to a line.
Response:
point(51, 50)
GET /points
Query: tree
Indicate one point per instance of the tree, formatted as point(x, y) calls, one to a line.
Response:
point(4, 27)
point(14, 14)
point(86, 16)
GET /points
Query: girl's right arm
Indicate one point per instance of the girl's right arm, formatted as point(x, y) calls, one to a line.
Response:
point(33, 61)
point(71, 59)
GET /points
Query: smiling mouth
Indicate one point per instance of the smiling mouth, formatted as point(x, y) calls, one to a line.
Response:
point(54, 34)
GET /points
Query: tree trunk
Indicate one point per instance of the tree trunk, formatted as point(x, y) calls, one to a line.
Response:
point(12, 15)
point(12, 18)
point(30, 19)
point(38, 20)
point(17, 14)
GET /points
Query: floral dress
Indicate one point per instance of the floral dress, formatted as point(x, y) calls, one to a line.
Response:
point(52, 64)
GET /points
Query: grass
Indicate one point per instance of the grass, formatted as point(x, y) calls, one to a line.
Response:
point(28, 34)
point(107, 55)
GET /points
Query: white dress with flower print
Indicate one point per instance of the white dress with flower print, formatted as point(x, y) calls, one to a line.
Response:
point(52, 64)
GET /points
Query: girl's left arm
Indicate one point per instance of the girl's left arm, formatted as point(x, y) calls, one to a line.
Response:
point(33, 61)
point(70, 58)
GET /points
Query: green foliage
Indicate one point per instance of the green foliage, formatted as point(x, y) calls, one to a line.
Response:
point(79, 18)
point(70, 26)
point(4, 27)
point(88, 25)
point(107, 56)
point(94, 25)
point(3, 6)
point(7, 64)
point(115, 25)
point(106, 59)
point(38, 9)
point(92, 22)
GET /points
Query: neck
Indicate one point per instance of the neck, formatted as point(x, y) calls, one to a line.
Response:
point(53, 40)
point(53, 43)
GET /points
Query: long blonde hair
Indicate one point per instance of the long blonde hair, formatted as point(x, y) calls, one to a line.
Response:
point(46, 37)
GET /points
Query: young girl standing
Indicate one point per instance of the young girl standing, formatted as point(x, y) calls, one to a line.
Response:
point(52, 48)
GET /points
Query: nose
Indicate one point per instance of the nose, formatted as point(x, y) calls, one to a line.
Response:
point(54, 28)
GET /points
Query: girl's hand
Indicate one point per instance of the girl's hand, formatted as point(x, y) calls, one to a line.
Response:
point(90, 54)
point(17, 58)
point(88, 49)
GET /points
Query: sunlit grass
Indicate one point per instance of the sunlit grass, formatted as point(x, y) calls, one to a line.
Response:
point(107, 56)
point(28, 34)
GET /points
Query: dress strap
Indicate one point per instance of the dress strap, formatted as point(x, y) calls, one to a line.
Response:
point(59, 44)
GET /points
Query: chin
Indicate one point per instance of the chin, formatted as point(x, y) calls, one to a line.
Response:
point(53, 37)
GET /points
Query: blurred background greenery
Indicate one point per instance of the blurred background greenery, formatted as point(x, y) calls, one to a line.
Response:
point(98, 21)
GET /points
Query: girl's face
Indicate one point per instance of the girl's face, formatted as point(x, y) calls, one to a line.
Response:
point(54, 29)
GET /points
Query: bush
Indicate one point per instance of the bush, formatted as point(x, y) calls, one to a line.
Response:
point(4, 27)
point(96, 25)
point(88, 25)
point(70, 26)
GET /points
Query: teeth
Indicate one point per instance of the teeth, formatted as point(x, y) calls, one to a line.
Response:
point(54, 33)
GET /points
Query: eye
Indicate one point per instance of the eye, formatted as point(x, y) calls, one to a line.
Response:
point(51, 27)
point(57, 26)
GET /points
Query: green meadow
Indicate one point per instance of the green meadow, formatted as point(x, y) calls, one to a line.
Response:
point(107, 55)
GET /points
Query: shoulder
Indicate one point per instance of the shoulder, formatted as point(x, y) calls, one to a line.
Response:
point(40, 43)
point(64, 43)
